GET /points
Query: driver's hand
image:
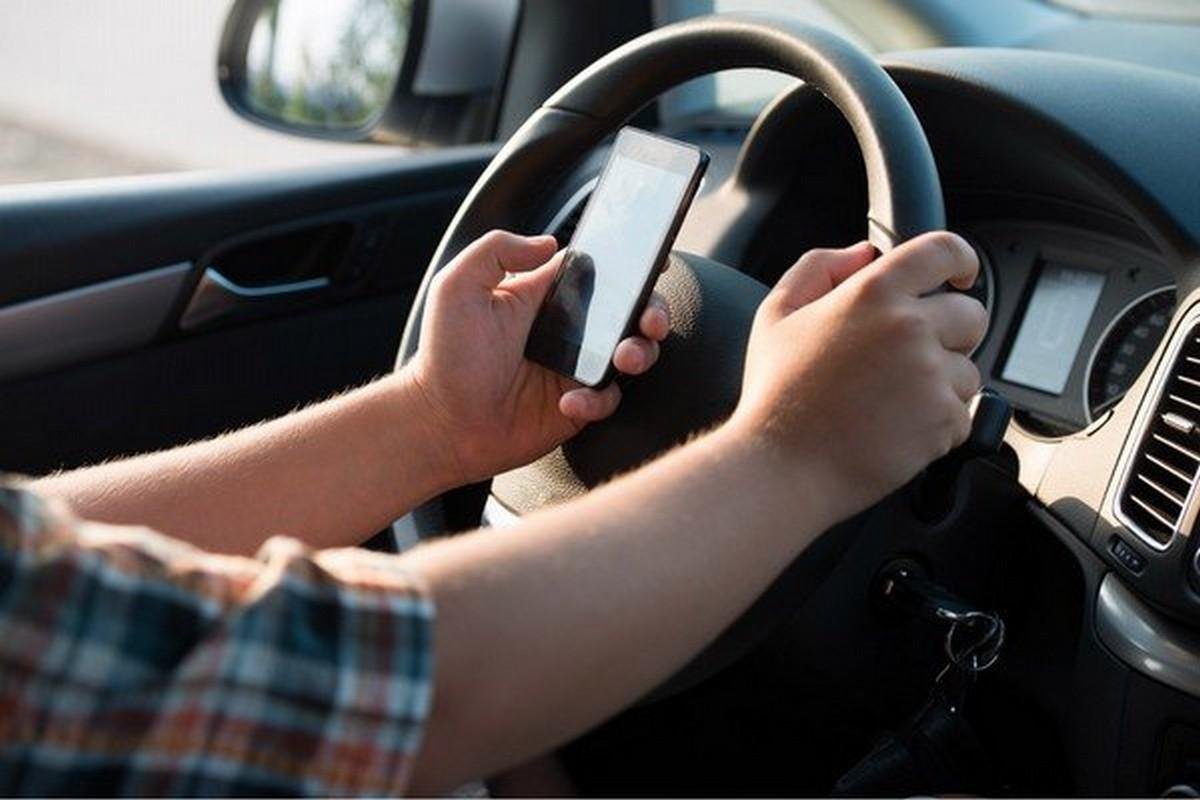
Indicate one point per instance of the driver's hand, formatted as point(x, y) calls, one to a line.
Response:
point(855, 368)
point(493, 409)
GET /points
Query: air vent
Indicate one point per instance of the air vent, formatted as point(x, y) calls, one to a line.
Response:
point(1155, 494)
point(562, 226)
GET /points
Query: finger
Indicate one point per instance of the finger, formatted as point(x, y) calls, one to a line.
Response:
point(656, 319)
point(590, 405)
point(533, 286)
point(960, 321)
point(923, 264)
point(960, 426)
point(816, 274)
point(486, 261)
point(635, 355)
point(964, 375)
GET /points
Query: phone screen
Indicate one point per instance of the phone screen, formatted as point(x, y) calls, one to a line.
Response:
point(614, 253)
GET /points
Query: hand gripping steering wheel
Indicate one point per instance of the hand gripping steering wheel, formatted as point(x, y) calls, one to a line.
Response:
point(699, 375)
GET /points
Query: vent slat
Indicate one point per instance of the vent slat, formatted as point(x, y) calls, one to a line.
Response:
point(1159, 479)
point(1167, 493)
point(1158, 462)
point(1192, 454)
point(1152, 511)
point(1184, 401)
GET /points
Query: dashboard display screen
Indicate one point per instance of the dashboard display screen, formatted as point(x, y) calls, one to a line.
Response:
point(1055, 321)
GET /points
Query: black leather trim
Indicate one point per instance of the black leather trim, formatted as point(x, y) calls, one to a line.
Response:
point(903, 189)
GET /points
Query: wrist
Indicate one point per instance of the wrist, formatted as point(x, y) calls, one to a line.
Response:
point(421, 436)
point(795, 481)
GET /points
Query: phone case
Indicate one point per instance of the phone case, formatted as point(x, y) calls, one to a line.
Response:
point(631, 325)
point(536, 350)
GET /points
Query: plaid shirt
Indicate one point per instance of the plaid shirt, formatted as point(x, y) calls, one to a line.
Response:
point(134, 664)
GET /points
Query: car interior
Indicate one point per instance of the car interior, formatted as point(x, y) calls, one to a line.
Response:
point(1062, 139)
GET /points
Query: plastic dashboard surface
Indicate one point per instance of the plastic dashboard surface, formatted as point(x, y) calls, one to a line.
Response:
point(1073, 168)
point(1089, 172)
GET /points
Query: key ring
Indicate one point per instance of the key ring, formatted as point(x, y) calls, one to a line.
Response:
point(980, 654)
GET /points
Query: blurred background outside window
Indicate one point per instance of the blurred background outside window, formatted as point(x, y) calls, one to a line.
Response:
point(96, 88)
point(92, 88)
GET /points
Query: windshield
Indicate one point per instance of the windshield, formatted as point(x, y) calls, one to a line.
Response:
point(1145, 9)
point(1159, 33)
point(741, 92)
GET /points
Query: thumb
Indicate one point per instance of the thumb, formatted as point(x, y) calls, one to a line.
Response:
point(534, 285)
point(816, 274)
point(486, 261)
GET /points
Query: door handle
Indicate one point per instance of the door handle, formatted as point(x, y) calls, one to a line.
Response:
point(217, 298)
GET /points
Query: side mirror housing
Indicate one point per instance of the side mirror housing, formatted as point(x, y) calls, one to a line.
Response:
point(413, 72)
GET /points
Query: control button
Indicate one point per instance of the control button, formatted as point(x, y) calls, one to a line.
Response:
point(1131, 559)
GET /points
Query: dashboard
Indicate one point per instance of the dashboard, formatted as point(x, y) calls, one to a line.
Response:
point(1075, 180)
point(1075, 319)
point(1078, 303)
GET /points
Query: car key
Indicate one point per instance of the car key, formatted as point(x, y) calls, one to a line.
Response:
point(936, 751)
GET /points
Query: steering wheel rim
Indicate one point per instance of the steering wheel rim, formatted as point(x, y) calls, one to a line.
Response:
point(903, 189)
point(712, 305)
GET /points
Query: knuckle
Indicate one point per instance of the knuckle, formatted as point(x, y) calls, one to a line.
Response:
point(874, 287)
point(981, 319)
point(779, 302)
point(971, 308)
point(493, 238)
point(927, 367)
point(814, 257)
point(907, 324)
point(951, 247)
point(969, 317)
point(974, 377)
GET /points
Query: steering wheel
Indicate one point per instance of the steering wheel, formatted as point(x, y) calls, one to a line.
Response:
point(698, 379)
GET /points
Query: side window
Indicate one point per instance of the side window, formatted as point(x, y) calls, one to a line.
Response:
point(128, 87)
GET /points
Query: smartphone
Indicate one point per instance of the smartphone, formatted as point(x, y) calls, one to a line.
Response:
point(610, 266)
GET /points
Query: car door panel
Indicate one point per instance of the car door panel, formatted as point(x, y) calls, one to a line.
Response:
point(197, 386)
point(106, 317)
point(140, 313)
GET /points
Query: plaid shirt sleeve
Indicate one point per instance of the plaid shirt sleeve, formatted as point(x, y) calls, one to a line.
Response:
point(135, 664)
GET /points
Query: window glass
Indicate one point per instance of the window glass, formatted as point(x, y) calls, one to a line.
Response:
point(743, 91)
point(94, 88)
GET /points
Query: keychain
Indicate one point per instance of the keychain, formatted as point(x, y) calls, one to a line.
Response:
point(972, 645)
point(936, 751)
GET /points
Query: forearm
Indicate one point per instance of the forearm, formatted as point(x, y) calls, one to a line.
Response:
point(550, 627)
point(331, 475)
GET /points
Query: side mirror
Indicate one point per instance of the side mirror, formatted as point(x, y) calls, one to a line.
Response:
point(415, 72)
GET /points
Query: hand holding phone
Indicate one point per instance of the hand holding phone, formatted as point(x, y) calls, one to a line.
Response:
point(610, 265)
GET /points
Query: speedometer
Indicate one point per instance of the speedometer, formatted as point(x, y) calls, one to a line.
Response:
point(1125, 349)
